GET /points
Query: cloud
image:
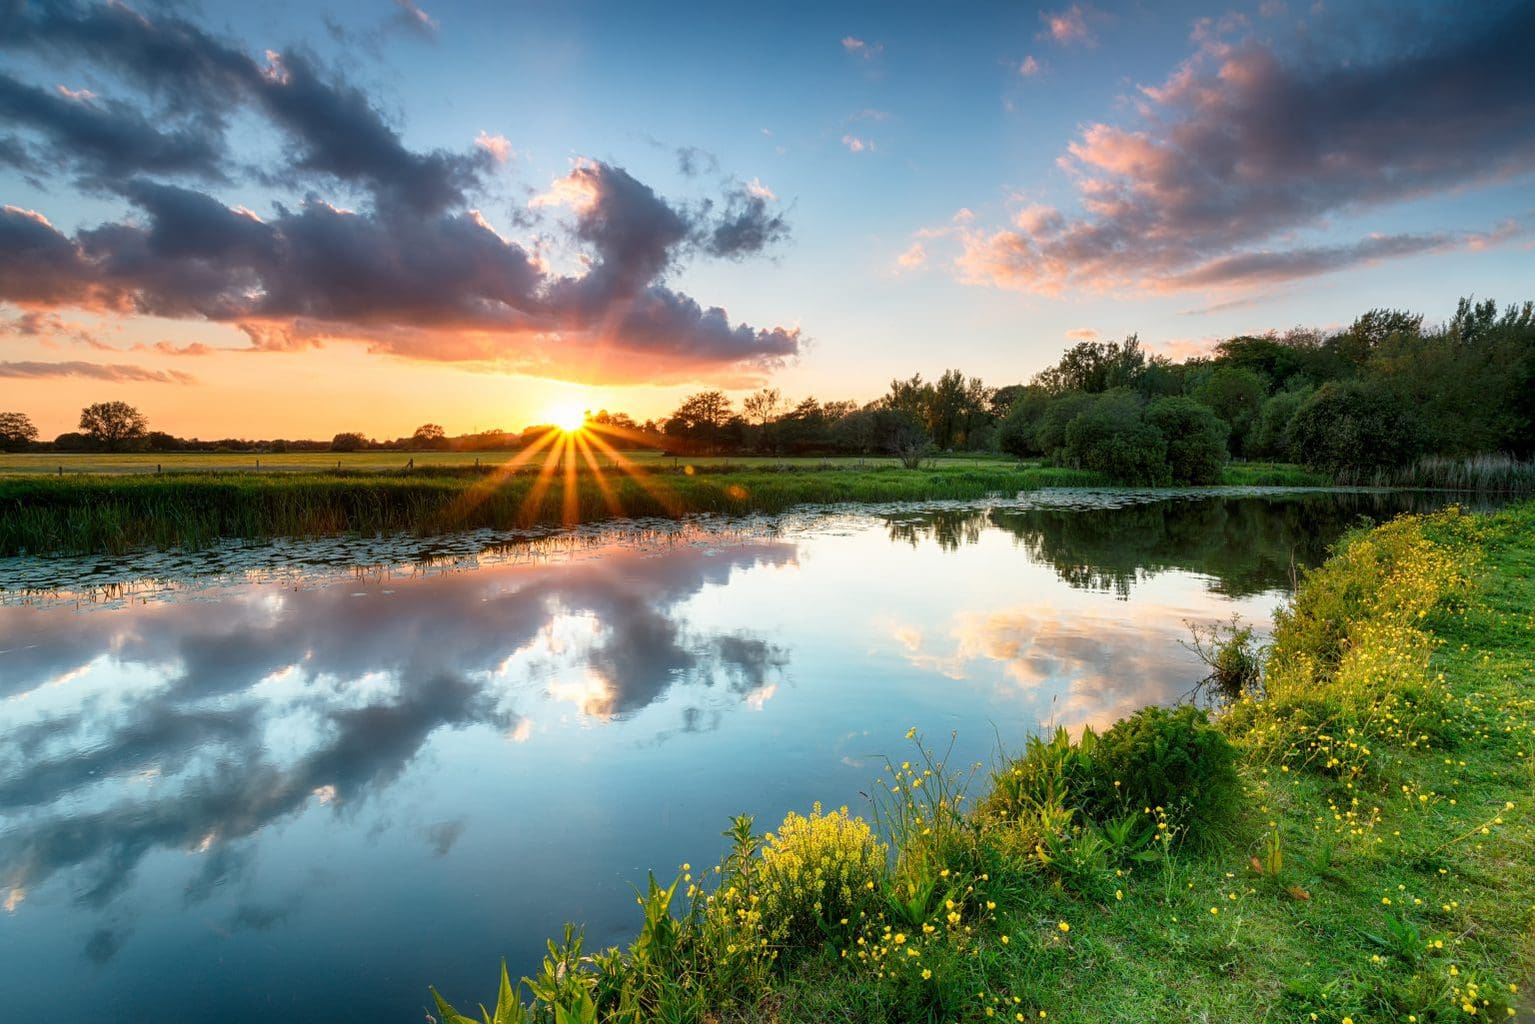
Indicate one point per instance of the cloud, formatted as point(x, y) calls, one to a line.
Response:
point(415, 20)
point(101, 138)
point(1030, 67)
point(915, 256)
point(856, 144)
point(120, 372)
point(498, 146)
point(859, 48)
point(201, 83)
point(413, 271)
point(1068, 27)
point(1244, 145)
point(1082, 334)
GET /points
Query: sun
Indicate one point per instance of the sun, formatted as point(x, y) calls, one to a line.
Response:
point(568, 416)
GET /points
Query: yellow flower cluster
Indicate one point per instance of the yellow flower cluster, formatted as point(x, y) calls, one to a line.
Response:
point(817, 871)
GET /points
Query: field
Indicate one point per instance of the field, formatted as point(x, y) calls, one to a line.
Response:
point(379, 461)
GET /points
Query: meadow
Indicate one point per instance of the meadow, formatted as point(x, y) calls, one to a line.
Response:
point(1349, 840)
point(112, 504)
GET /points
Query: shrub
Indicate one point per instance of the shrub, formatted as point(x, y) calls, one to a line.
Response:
point(1196, 439)
point(1350, 429)
point(1178, 761)
point(1112, 437)
point(816, 872)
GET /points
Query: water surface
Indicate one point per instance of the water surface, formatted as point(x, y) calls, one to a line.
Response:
point(276, 783)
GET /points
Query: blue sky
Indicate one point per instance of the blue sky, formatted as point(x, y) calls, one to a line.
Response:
point(866, 191)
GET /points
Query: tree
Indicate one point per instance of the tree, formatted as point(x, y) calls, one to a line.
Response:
point(348, 442)
point(113, 425)
point(760, 406)
point(701, 418)
point(1111, 435)
point(1095, 367)
point(430, 436)
point(1349, 428)
point(1236, 396)
point(16, 431)
point(1196, 440)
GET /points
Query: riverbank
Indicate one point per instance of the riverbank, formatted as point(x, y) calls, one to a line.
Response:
point(1360, 845)
point(111, 514)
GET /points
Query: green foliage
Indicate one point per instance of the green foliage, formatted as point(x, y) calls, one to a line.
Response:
point(1232, 654)
point(1196, 439)
point(1111, 436)
point(1175, 760)
point(1235, 395)
point(1347, 429)
point(1271, 434)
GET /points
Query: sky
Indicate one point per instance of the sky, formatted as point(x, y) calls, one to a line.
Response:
point(291, 219)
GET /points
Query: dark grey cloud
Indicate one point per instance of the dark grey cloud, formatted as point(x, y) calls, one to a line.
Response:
point(24, 369)
point(415, 271)
point(1248, 143)
point(104, 139)
point(446, 286)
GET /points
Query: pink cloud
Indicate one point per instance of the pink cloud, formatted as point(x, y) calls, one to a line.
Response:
point(856, 144)
point(1030, 67)
point(1242, 150)
point(1068, 27)
point(913, 257)
point(1082, 334)
point(497, 146)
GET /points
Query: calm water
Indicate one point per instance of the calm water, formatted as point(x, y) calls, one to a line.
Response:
point(298, 795)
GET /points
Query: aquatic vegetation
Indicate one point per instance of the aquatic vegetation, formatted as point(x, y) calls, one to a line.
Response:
point(1350, 842)
point(105, 514)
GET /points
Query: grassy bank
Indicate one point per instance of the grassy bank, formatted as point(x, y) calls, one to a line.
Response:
point(1351, 841)
point(90, 513)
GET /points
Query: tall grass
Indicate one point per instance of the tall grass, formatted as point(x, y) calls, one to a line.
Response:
point(83, 514)
point(1492, 474)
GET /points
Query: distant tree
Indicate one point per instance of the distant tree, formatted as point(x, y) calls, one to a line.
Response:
point(1095, 366)
point(1018, 433)
point(348, 442)
point(160, 441)
point(908, 396)
point(430, 436)
point(761, 406)
point(901, 434)
point(1111, 435)
point(16, 431)
point(1235, 395)
point(113, 425)
point(1196, 439)
point(1349, 428)
point(1271, 434)
point(701, 418)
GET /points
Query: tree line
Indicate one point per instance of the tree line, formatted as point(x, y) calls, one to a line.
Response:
point(1378, 394)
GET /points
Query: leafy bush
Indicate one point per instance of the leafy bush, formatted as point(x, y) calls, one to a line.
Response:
point(817, 872)
point(1111, 436)
point(1196, 439)
point(1348, 429)
point(1178, 761)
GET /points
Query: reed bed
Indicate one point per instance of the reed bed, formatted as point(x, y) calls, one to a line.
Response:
point(102, 514)
point(1487, 474)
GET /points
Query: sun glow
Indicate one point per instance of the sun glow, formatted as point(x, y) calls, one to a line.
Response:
point(568, 417)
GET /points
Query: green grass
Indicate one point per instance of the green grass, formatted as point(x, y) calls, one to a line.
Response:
point(1271, 474)
point(109, 514)
point(143, 463)
point(1393, 882)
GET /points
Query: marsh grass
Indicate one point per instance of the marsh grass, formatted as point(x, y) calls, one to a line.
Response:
point(113, 514)
point(1484, 474)
point(1397, 884)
